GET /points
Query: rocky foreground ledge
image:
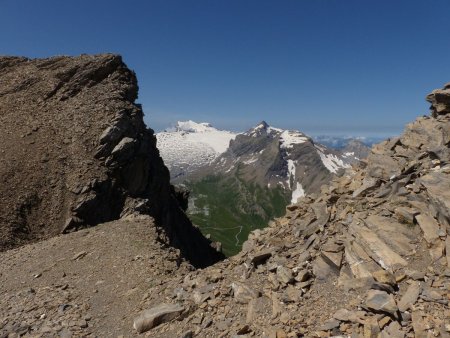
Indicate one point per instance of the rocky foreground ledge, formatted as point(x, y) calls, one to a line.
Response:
point(75, 152)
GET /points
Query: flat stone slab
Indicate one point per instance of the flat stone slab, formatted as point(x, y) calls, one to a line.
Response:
point(405, 214)
point(430, 294)
point(345, 315)
point(410, 297)
point(322, 269)
point(381, 301)
point(284, 275)
point(429, 226)
point(333, 258)
point(376, 248)
point(384, 277)
point(437, 184)
point(418, 324)
point(368, 185)
point(261, 257)
point(155, 316)
point(244, 294)
point(398, 236)
point(330, 324)
point(361, 265)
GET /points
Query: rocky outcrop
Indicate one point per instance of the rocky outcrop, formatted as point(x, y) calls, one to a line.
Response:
point(367, 257)
point(75, 152)
point(440, 101)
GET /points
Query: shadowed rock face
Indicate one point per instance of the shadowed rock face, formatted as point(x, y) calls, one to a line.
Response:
point(75, 152)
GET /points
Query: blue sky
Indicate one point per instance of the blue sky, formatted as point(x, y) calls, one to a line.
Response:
point(355, 67)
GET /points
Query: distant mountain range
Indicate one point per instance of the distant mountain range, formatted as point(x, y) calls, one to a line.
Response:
point(238, 182)
point(340, 142)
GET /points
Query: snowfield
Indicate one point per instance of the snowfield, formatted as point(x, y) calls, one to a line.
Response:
point(192, 144)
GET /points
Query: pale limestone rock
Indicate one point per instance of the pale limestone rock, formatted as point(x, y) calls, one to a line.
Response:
point(155, 316)
point(410, 297)
point(429, 227)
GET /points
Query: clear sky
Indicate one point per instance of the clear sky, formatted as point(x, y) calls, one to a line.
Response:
point(355, 67)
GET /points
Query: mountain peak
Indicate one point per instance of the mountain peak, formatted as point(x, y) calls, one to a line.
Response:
point(262, 129)
point(263, 124)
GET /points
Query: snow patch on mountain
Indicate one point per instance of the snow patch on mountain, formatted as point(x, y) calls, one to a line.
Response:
point(251, 160)
point(297, 193)
point(332, 162)
point(291, 172)
point(290, 137)
point(351, 155)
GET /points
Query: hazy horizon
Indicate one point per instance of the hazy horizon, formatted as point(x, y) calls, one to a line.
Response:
point(315, 132)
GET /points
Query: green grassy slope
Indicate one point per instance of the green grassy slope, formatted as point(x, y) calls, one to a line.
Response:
point(228, 208)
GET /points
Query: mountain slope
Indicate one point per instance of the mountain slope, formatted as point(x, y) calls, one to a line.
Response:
point(262, 171)
point(190, 145)
point(227, 208)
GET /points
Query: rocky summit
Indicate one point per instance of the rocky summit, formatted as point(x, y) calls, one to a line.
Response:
point(367, 255)
point(75, 152)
